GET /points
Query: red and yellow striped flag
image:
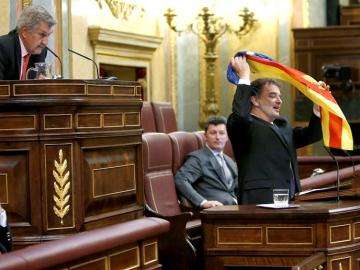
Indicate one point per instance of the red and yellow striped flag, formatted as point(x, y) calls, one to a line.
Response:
point(336, 130)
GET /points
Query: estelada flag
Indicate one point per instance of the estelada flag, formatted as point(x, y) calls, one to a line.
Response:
point(336, 130)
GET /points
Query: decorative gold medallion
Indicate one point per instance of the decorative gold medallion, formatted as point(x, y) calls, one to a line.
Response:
point(62, 187)
point(121, 9)
point(26, 3)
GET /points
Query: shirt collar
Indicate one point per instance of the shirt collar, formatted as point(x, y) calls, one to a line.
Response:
point(215, 152)
point(23, 49)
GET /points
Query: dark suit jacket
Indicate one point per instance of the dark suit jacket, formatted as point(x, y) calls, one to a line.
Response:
point(266, 153)
point(10, 57)
point(5, 239)
point(201, 178)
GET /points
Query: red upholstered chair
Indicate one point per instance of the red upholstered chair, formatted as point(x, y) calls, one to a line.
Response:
point(183, 143)
point(165, 118)
point(176, 251)
point(147, 117)
point(200, 136)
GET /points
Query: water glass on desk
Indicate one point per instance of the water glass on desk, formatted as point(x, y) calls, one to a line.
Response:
point(281, 197)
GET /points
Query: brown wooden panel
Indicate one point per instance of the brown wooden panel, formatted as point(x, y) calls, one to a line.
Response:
point(132, 119)
point(356, 228)
point(289, 235)
point(150, 252)
point(95, 264)
point(340, 233)
point(88, 120)
point(57, 121)
point(59, 186)
point(341, 263)
point(239, 235)
point(4, 188)
point(129, 91)
point(48, 89)
point(4, 90)
point(125, 259)
point(113, 120)
point(113, 180)
point(94, 89)
point(138, 91)
point(15, 183)
point(17, 122)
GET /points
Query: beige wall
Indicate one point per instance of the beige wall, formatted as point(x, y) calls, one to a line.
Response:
point(5, 17)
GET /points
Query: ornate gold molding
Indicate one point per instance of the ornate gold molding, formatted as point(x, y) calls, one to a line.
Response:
point(62, 187)
point(26, 3)
point(121, 9)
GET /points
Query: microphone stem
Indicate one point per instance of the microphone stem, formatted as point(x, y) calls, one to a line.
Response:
point(88, 58)
point(337, 173)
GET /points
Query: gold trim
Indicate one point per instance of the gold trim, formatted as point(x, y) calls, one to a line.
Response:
point(8, 87)
point(119, 113)
point(126, 250)
point(46, 191)
point(354, 231)
point(106, 263)
point(113, 167)
point(125, 95)
point(22, 116)
point(122, 10)
point(237, 243)
point(340, 265)
point(287, 243)
point(111, 89)
point(151, 178)
point(100, 119)
point(156, 252)
point(164, 166)
point(54, 115)
point(26, 3)
point(62, 187)
point(138, 115)
point(48, 94)
point(341, 241)
point(6, 189)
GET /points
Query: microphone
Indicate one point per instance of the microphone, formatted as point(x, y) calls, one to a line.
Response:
point(61, 67)
point(337, 173)
point(83, 56)
point(352, 161)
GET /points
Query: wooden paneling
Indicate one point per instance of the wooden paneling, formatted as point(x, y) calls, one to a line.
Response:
point(336, 45)
point(70, 156)
point(255, 237)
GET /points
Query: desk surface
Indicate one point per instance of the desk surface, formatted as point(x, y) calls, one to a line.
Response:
point(310, 209)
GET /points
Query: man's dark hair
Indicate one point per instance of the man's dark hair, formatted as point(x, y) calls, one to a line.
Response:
point(258, 84)
point(214, 120)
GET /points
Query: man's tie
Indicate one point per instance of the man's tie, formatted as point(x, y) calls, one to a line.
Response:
point(226, 171)
point(24, 66)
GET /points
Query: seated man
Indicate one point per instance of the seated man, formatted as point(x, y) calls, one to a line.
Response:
point(208, 177)
point(5, 236)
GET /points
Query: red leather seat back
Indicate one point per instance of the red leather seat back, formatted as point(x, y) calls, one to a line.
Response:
point(159, 186)
point(147, 117)
point(200, 136)
point(182, 143)
point(165, 118)
point(228, 150)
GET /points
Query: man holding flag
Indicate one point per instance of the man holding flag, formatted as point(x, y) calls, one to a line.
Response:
point(264, 143)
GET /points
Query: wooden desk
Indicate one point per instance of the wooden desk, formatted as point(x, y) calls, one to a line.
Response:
point(249, 236)
point(70, 156)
